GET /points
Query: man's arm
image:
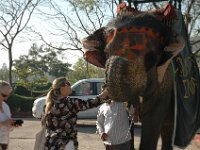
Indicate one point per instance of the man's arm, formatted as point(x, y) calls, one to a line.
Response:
point(81, 105)
point(100, 121)
point(100, 124)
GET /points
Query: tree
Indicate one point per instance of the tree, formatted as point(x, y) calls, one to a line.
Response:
point(69, 24)
point(40, 63)
point(4, 72)
point(14, 17)
point(82, 70)
point(27, 70)
point(191, 11)
point(79, 18)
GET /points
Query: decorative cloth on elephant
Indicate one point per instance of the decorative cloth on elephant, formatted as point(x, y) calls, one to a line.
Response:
point(165, 14)
point(187, 82)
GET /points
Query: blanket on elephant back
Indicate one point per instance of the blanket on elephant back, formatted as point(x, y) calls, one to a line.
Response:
point(187, 83)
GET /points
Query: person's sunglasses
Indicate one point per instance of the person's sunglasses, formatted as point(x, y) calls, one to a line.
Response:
point(4, 95)
point(67, 83)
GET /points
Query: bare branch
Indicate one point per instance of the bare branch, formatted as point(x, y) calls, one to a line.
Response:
point(14, 17)
point(196, 52)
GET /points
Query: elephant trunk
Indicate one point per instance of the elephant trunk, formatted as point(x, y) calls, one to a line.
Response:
point(123, 79)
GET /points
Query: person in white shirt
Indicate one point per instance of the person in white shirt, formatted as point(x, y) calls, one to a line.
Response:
point(113, 126)
point(6, 123)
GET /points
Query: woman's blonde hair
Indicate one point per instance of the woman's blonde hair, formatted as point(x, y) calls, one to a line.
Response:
point(4, 84)
point(52, 95)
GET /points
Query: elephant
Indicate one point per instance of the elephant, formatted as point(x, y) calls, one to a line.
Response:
point(136, 52)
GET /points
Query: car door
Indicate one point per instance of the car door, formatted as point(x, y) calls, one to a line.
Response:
point(87, 90)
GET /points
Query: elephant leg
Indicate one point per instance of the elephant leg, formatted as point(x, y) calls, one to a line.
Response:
point(150, 132)
point(154, 112)
point(167, 130)
point(166, 135)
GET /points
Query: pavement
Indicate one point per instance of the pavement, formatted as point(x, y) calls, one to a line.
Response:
point(23, 138)
point(194, 145)
point(86, 122)
point(196, 141)
point(92, 122)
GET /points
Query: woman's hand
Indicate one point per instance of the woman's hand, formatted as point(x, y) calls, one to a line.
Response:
point(7, 122)
point(104, 94)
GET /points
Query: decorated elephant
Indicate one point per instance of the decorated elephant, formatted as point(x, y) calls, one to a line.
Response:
point(136, 51)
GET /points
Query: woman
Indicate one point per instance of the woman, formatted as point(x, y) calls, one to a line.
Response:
point(5, 115)
point(61, 115)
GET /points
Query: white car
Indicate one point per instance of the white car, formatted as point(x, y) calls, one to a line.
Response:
point(83, 89)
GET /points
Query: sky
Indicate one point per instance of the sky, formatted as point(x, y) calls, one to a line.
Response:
point(22, 49)
point(44, 25)
point(21, 46)
point(23, 43)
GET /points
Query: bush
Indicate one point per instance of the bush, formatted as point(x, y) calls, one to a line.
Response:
point(21, 90)
point(38, 91)
point(20, 103)
point(43, 87)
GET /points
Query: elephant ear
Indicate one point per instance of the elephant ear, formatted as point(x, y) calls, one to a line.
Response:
point(170, 51)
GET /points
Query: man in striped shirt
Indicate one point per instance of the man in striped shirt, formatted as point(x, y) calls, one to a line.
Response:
point(113, 126)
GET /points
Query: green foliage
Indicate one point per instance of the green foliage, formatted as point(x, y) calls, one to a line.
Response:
point(59, 69)
point(27, 89)
point(19, 103)
point(22, 99)
point(82, 69)
point(85, 3)
point(4, 72)
point(37, 91)
point(21, 90)
point(36, 67)
point(43, 87)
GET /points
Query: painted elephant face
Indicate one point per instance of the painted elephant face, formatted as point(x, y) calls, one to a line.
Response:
point(128, 37)
point(131, 48)
point(94, 46)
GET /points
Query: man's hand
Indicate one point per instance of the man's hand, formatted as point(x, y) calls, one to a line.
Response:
point(104, 94)
point(104, 136)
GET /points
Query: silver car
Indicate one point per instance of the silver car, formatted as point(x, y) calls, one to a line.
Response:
point(83, 89)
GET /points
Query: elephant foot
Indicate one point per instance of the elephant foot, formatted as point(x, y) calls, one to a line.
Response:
point(169, 147)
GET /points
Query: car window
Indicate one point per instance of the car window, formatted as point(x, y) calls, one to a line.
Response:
point(85, 88)
point(99, 85)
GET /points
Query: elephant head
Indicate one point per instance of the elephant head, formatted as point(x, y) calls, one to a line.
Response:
point(135, 51)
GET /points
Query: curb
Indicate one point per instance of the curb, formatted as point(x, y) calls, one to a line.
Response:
point(86, 122)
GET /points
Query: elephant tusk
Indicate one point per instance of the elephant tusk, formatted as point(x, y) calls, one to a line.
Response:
point(141, 99)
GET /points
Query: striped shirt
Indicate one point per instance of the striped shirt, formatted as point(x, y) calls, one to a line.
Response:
point(112, 119)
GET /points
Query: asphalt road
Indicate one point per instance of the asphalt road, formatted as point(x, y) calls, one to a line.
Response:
point(23, 138)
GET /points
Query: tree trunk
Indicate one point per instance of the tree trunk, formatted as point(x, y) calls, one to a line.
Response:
point(10, 64)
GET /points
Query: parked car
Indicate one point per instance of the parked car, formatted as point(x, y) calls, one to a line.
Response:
point(83, 89)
